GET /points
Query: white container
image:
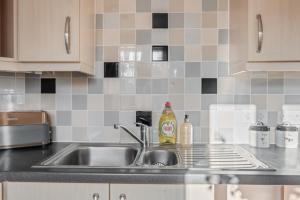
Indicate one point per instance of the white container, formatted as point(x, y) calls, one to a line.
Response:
point(286, 136)
point(259, 135)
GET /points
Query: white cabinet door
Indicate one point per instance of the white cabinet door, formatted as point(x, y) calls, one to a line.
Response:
point(55, 191)
point(160, 192)
point(281, 29)
point(291, 192)
point(254, 192)
point(41, 30)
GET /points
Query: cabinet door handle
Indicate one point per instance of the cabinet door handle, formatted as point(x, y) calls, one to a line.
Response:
point(260, 33)
point(96, 196)
point(122, 197)
point(67, 34)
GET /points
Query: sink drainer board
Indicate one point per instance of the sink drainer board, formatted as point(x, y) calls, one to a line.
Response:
point(220, 157)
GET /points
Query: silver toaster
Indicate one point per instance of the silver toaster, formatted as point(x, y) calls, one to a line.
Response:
point(24, 129)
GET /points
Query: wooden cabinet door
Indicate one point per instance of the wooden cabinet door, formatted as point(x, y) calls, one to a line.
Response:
point(160, 192)
point(55, 191)
point(271, 17)
point(254, 192)
point(41, 30)
point(281, 30)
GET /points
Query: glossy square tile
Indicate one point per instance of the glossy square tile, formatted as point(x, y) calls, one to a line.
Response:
point(159, 53)
point(193, 36)
point(99, 21)
point(210, 5)
point(176, 20)
point(176, 5)
point(48, 102)
point(209, 70)
point(160, 86)
point(143, 6)
point(127, 21)
point(127, 6)
point(32, 85)
point(111, 102)
point(95, 86)
point(127, 103)
point(63, 102)
point(63, 118)
point(160, 36)
point(192, 86)
point(209, 20)
point(111, 5)
point(111, 21)
point(192, 20)
point(192, 102)
point(128, 86)
point(177, 103)
point(192, 6)
point(79, 118)
point(111, 70)
point(223, 36)
point(95, 102)
point(143, 37)
point(95, 118)
point(176, 69)
point(160, 70)
point(111, 118)
point(176, 53)
point(79, 102)
point(258, 86)
point(275, 86)
point(143, 20)
point(192, 69)
point(48, 85)
point(209, 86)
point(160, 20)
point(111, 86)
point(127, 37)
point(207, 100)
point(144, 117)
point(176, 86)
point(160, 5)
point(176, 36)
point(143, 86)
point(127, 69)
point(111, 53)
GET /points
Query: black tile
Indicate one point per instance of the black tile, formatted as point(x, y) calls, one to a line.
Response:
point(209, 86)
point(111, 70)
point(160, 53)
point(159, 20)
point(144, 117)
point(48, 86)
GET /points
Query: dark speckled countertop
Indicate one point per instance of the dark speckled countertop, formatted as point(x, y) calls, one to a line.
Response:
point(16, 165)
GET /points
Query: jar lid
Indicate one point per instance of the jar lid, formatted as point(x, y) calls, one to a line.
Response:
point(286, 126)
point(259, 126)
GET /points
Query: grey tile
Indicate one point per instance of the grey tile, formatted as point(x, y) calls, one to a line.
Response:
point(260, 101)
point(143, 6)
point(195, 117)
point(111, 118)
point(99, 53)
point(192, 20)
point(209, 5)
point(223, 69)
point(273, 119)
point(192, 69)
point(292, 99)
point(111, 102)
point(275, 86)
point(95, 118)
point(176, 20)
point(176, 53)
point(177, 102)
point(79, 102)
point(63, 102)
point(79, 134)
point(207, 100)
point(160, 86)
point(99, 21)
point(223, 36)
point(143, 86)
point(209, 70)
point(32, 85)
point(225, 99)
point(95, 86)
point(63, 86)
point(143, 37)
point(242, 99)
point(176, 86)
point(63, 118)
point(193, 85)
point(176, 69)
point(292, 86)
point(258, 86)
point(192, 36)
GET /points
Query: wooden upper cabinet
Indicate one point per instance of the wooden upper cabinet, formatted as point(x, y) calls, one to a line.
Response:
point(47, 35)
point(280, 21)
point(45, 29)
point(265, 35)
point(8, 29)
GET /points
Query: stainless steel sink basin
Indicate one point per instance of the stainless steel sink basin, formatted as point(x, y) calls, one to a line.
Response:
point(88, 156)
point(160, 158)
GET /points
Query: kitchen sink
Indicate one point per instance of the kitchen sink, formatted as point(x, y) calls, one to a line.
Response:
point(160, 158)
point(89, 156)
point(196, 157)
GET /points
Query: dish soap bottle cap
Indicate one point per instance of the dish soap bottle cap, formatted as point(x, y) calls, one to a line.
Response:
point(168, 104)
point(186, 119)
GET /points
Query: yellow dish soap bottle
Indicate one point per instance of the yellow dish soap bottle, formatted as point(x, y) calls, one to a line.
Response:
point(186, 132)
point(167, 126)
